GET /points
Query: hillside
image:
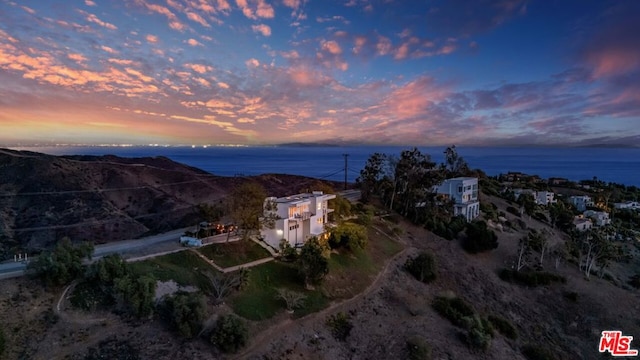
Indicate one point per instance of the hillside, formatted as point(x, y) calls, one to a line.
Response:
point(106, 198)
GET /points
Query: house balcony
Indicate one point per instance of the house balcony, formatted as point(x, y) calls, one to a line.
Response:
point(302, 216)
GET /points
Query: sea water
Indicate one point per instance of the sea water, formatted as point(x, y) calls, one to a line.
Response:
point(619, 165)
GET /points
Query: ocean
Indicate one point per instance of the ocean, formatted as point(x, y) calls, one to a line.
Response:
point(619, 165)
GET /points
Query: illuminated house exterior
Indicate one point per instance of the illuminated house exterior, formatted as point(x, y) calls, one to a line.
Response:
point(294, 218)
point(464, 192)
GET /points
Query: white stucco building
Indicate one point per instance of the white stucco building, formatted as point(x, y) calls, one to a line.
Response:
point(582, 224)
point(464, 192)
point(540, 197)
point(634, 205)
point(599, 218)
point(295, 218)
point(581, 202)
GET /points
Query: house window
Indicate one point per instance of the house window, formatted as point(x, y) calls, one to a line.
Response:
point(459, 189)
point(320, 220)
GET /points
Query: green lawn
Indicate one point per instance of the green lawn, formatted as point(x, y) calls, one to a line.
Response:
point(234, 253)
point(258, 300)
point(184, 267)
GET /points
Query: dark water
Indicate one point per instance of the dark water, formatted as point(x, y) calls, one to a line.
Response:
point(619, 165)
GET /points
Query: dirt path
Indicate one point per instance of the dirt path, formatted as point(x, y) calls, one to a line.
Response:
point(266, 335)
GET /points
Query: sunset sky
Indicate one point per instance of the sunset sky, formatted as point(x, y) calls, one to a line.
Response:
point(432, 72)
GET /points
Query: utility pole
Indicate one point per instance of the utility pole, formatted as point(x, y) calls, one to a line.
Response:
point(345, 170)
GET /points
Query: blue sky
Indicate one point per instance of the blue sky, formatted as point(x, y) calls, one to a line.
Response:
point(508, 72)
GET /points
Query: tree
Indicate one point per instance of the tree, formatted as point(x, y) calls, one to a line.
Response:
point(422, 267)
point(540, 243)
point(527, 204)
point(137, 294)
point(592, 248)
point(454, 163)
point(371, 176)
point(292, 299)
point(223, 284)
point(246, 206)
point(63, 264)
point(185, 312)
point(561, 217)
point(349, 235)
point(479, 238)
point(230, 333)
point(312, 265)
point(341, 208)
point(524, 252)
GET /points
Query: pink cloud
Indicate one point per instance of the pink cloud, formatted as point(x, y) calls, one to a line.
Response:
point(174, 22)
point(613, 62)
point(263, 29)
point(197, 18)
point(331, 47)
point(151, 39)
point(252, 63)
point(199, 68)
point(257, 9)
point(384, 46)
point(89, 3)
point(194, 42)
point(94, 19)
point(77, 57)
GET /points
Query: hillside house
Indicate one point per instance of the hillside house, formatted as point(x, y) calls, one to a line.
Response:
point(599, 218)
point(545, 198)
point(582, 224)
point(581, 202)
point(633, 205)
point(295, 218)
point(540, 197)
point(464, 192)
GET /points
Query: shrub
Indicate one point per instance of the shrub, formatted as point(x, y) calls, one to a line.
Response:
point(230, 334)
point(531, 278)
point(479, 238)
point(287, 252)
point(349, 235)
point(537, 352)
point(311, 263)
point(541, 217)
point(514, 211)
point(479, 332)
point(422, 267)
point(184, 312)
point(418, 349)
point(339, 325)
point(453, 308)
point(504, 327)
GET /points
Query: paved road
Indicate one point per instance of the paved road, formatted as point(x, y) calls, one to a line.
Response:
point(15, 269)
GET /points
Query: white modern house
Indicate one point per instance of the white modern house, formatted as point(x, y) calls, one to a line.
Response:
point(464, 192)
point(582, 224)
point(294, 218)
point(599, 218)
point(545, 198)
point(541, 197)
point(634, 205)
point(581, 202)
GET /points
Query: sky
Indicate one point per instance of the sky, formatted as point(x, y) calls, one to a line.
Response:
point(396, 72)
